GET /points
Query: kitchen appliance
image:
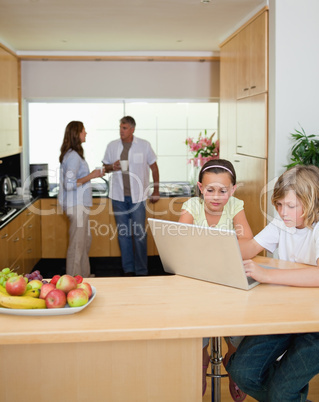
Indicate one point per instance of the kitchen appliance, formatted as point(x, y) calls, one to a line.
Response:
point(14, 183)
point(39, 179)
point(5, 189)
point(5, 213)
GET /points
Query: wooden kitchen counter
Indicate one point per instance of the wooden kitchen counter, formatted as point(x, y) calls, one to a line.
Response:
point(140, 338)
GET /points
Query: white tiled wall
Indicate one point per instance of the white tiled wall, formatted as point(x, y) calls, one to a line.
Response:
point(165, 125)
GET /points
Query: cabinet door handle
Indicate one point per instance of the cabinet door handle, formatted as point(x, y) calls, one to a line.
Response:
point(16, 239)
point(29, 213)
point(253, 87)
point(239, 146)
point(246, 89)
point(236, 160)
point(30, 226)
point(5, 236)
point(29, 238)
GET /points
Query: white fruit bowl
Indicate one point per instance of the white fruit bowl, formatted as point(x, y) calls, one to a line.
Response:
point(48, 311)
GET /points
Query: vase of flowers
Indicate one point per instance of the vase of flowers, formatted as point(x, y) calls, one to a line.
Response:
point(203, 149)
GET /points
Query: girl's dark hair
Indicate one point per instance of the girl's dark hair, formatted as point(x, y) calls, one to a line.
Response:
point(218, 166)
point(72, 139)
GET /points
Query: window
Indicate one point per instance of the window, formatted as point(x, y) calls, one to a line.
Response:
point(166, 125)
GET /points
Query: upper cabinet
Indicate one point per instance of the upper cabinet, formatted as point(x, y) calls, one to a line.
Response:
point(252, 58)
point(244, 113)
point(10, 142)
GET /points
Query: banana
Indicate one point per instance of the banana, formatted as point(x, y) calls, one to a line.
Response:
point(21, 302)
point(3, 290)
point(32, 293)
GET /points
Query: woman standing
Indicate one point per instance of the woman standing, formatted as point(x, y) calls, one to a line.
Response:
point(75, 197)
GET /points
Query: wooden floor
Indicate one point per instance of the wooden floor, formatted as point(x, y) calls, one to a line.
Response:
point(225, 395)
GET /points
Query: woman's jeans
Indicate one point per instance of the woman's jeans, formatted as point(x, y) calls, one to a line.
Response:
point(258, 372)
point(130, 221)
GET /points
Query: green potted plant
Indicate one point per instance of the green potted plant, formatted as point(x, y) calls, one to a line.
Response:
point(305, 151)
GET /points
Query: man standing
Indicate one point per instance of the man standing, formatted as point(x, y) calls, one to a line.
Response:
point(129, 188)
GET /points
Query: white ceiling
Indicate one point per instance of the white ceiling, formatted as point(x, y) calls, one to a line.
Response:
point(48, 26)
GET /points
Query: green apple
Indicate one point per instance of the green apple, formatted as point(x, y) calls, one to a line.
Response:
point(35, 284)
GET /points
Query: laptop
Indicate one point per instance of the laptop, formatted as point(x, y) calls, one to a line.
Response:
point(198, 252)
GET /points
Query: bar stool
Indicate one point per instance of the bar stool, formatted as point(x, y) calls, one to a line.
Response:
point(216, 359)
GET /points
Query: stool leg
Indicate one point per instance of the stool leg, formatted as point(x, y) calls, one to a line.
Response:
point(216, 361)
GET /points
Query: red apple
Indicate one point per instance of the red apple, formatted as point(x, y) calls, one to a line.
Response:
point(77, 298)
point(16, 285)
point(55, 279)
point(79, 278)
point(45, 289)
point(55, 299)
point(35, 284)
point(87, 287)
point(66, 283)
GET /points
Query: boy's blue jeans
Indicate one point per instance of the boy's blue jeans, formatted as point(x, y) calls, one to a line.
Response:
point(130, 221)
point(255, 369)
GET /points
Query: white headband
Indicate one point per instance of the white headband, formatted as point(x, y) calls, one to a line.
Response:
point(218, 166)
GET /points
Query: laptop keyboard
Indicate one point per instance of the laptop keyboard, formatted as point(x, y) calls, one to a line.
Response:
point(250, 280)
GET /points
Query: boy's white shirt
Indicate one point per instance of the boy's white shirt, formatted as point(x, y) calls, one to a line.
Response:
point(296, 245)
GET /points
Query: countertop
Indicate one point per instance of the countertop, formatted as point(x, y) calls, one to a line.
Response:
point(22, 206)
point(171, 307)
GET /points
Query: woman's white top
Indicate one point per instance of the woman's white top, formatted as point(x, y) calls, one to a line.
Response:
point(72, 168)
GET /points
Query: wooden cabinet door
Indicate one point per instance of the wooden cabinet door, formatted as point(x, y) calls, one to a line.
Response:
point(252, 189)
point(100, 228)
point(243, 63)
point(4, 252)
point(31, 220)
point(54, 230)
point(228, 97)
point(9, 104)
point(15, 247)
point(252, 57)
point(168, 209)
point(252, 126)
point(259, 54)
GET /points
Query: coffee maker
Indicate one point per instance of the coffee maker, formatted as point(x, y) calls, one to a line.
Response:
point(39, 179)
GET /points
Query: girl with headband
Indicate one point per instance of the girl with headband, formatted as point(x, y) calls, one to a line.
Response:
point(216, 207)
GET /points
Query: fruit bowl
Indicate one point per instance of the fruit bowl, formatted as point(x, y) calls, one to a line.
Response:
point(48, 311)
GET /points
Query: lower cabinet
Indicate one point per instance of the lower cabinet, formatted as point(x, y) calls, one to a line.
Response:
point(252, 189)
point(31, 236)
point(20, 241)
point(54, 229)
point(54, 226)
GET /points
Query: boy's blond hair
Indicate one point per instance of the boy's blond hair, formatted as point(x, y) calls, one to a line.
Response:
point(304, 180)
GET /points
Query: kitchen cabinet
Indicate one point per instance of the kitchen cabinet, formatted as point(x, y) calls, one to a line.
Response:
point(244, 114)
point(31, 236)
point(54, 226)
point(167, 209)
point(20, 242)
point(54, 229)
point(252, 57)
point(252, 189)
point(10, 142)
point(228, 98)
point(100, 228)
point(252, 127)
point(11, 243)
